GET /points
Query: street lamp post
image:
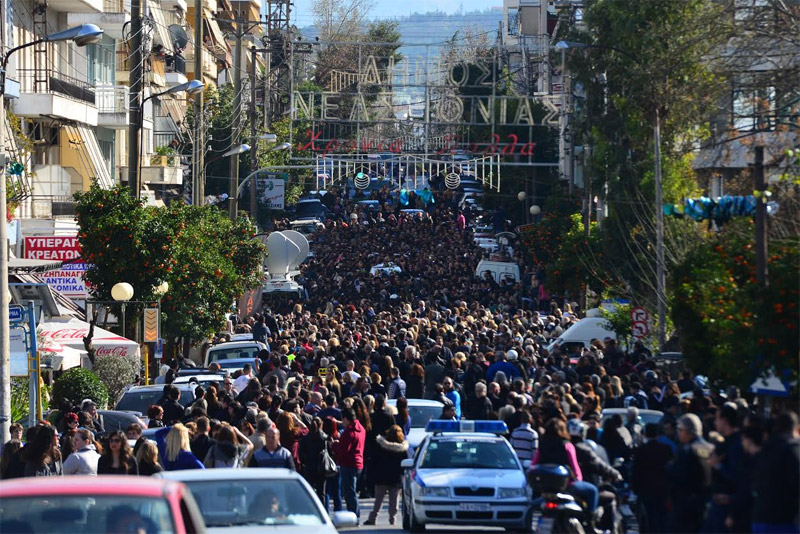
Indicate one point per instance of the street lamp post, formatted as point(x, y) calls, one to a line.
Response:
point(122, 292)
point(192, 88)
point(81, 36)
point(660, 263)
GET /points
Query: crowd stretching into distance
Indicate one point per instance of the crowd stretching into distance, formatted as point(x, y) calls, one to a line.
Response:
point(713, 463)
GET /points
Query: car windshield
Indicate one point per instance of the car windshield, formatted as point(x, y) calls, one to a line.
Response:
point(309, 209)
point(140, 401)
point(472, 454)
point(233, 353)
point(255, 502)
point(420, 415)
point(79, 514)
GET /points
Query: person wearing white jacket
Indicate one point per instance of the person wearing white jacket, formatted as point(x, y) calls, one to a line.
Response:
point(83, 460)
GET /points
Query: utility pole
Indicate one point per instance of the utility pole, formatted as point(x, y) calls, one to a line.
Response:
point(136, 113)
point(762, 267)
point(253, 136)
point(237, 123)
point(5, 331)
point(661, 276)
point(199, 146)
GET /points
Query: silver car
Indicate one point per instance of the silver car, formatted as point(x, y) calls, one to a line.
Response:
point(278, 501)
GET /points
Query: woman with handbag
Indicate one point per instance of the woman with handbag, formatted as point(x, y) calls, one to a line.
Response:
point(313, 451)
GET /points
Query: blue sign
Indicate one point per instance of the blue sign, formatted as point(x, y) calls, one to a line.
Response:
point(16, 314)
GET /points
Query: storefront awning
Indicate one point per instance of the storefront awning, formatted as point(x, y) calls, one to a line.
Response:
point(71, 333)
point(24, 265)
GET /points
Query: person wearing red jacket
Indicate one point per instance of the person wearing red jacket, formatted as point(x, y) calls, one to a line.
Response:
point(349, 452)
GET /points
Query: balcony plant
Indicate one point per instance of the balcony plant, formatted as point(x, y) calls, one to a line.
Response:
point(164, 157)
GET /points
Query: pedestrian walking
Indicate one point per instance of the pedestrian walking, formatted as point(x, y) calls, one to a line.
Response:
point(391, 449)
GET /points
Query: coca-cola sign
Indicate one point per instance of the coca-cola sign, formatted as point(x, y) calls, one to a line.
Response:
point(65, 333)
point(110, 350)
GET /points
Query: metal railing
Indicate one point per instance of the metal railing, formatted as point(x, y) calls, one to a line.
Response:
point(52, 81)
point(113, 6)
point(111, 98)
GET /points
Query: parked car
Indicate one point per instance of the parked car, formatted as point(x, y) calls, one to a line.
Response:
point(645, 416)
point(120, 420)
point(233, 350)
point(79, 505)
point(272, 500)
point(311, 208)
point(139, 398)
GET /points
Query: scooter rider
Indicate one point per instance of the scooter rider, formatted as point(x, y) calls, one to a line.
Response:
point(594, 469)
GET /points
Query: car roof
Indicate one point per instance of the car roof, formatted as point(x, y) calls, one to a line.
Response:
point(418, 402)
point(155, 387)
point(623, 411)
point(236, 344)
point(226, 473)
point(85, 485)
point(468, 435)
point(200, 377)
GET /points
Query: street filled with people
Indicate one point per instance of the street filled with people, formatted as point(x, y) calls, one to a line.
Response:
point(654, 447)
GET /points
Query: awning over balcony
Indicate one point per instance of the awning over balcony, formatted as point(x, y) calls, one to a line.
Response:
point(81, 152)
point(175, 110)
point(215, 41)
point(161, 35)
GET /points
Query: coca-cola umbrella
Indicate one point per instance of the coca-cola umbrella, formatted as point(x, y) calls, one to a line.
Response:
point(58, 357)
point(70, 333)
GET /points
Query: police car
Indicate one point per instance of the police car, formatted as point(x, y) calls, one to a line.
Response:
point(465, 473)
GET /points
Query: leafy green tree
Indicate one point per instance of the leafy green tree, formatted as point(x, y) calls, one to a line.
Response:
point(645, 60)
point(116, 372)
point(730, 328)
point(206, 259)
point(77, 384)
point(216, 260)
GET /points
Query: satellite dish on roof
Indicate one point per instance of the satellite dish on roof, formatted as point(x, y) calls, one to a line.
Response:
point(302, 243)
point(178, 36)
point(282, 253)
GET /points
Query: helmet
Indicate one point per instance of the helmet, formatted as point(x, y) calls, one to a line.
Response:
point(576, 428)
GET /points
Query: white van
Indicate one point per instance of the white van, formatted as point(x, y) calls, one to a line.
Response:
point(500, 270)
point(582, 333)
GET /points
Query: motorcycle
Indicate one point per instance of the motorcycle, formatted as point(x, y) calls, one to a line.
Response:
point(560, 513)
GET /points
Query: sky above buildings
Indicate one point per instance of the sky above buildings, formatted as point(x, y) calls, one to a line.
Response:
point(395, 8)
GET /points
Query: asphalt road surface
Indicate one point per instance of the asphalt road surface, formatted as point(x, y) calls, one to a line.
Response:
point(383, 526)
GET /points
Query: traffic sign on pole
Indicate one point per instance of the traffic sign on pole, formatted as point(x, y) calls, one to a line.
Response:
point(639, 314)
point(640, 329)
point(16, 314)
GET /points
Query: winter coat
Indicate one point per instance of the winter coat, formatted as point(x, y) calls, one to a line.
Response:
point(349, 451)
point(82, 462)
point(311, 447)
point(387, 456)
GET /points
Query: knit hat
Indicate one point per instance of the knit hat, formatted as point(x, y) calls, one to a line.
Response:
point(70, 417)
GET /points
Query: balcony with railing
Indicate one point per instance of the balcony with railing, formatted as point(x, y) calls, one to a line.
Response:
point(175, 69)
point(115, 15)
point(46, 92)
point(112, 106)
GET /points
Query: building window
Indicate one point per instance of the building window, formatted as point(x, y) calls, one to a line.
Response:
point(513, 21)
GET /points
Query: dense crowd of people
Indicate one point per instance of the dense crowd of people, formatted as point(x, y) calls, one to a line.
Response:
point(317, 401)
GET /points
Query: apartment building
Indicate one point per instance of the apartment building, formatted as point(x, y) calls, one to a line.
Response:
point(68, 106)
